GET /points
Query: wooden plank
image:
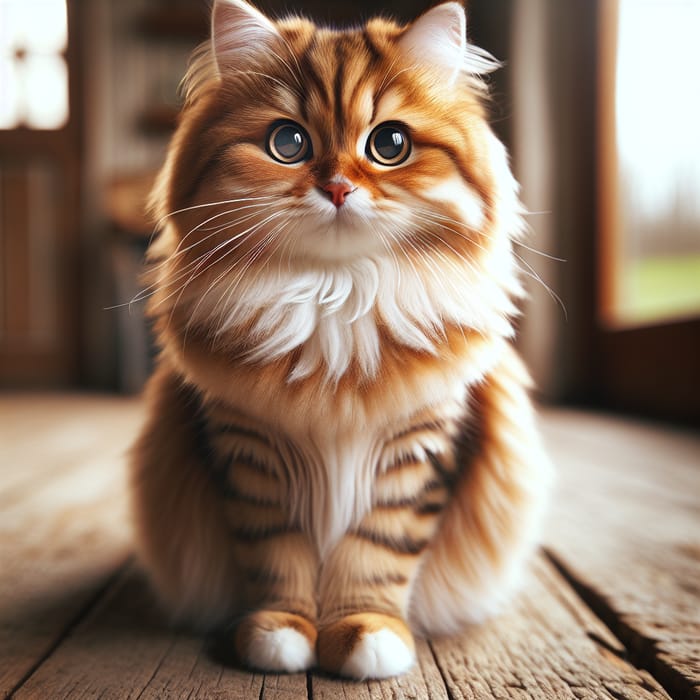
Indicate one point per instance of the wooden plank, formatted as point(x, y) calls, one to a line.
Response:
point(625, 530)
point(125, 649)
point(547, 645)
point(284, 687)
point(63, 533)
point(43, 436)
point(62, 520)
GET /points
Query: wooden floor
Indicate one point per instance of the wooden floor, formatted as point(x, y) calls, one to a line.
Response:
point(611, 608)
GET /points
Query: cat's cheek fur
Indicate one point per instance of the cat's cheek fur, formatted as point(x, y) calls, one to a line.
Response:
point(456, 193)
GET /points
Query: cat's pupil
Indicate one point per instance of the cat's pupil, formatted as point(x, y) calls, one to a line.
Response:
point(288, 143)
point(388, 144)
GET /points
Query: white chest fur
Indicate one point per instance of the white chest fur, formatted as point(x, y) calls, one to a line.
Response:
point(332, 313)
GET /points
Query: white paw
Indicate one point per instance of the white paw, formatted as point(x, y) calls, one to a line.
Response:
point(378, 655)
point(281, 650)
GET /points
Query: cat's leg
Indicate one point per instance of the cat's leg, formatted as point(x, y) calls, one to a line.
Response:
point(215, 547)
point(492, 520)
point(279, 633)
point(276, 562)
point(367, 578)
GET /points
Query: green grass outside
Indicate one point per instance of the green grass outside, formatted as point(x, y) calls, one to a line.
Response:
point(661, 288)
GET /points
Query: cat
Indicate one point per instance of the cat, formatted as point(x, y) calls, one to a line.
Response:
point(341, 452)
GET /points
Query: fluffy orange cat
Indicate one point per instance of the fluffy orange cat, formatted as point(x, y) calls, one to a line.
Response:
point(341, 451)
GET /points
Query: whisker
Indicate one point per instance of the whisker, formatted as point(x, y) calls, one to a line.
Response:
point(257, 251)
point(197, 273)
point(212, 204)
point(530, 272)
point(292, 73)
point(277, 81)
point(539, 252)
point(146, 292)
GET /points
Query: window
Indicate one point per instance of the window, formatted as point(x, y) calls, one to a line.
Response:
point(33, 70)
point(651, 250)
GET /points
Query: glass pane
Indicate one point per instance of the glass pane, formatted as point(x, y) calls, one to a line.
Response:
point(10, 95)
point(10, 26)
point(657, 118)
point(33, 25)
point(45, 92)
point(33, 71)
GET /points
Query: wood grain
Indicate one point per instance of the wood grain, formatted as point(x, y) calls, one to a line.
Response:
point(75, 622)
point(63, 524)
point(126, 649)
point(625, 530)
point(548, 645)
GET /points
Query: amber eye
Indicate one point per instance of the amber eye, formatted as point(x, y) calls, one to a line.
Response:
point(288, 143)
point(388, 144)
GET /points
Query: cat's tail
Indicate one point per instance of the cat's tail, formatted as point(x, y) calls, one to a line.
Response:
point(493, 519)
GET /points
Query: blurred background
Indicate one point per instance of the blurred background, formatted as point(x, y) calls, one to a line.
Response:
point(598, 102)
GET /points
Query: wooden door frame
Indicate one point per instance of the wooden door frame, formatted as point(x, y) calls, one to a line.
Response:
point(61, 367)
point(654, 369)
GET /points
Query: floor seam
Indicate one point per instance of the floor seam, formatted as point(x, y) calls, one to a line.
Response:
point(640, 651)
point(72, 624)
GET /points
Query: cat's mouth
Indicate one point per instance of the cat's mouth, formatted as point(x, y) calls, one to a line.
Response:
point(340, 235)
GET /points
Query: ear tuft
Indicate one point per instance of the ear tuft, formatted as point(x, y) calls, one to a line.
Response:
point(438, 38)
point(238, 33)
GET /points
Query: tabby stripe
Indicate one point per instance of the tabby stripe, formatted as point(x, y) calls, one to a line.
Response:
point(338, 87)
point(252, 535)
point(384, 580)
point(446, 474)
point(233, 494)
point(416, 499)
point(310, 74)
point(405, 460)
point(399, 503)
point(374, 52)
point(433, 485)
point(419, 509)
point(433, 426)
point(430, 509)
point(249, 461)
point(453, 155)
point(233, 429)
point(405, 545)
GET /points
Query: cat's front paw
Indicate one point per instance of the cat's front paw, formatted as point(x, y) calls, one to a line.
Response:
point(276, 641)
point(366, 645)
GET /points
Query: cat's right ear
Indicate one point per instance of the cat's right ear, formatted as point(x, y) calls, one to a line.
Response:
point(238, 33)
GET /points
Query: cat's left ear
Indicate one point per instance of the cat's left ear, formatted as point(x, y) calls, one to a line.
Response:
point(239, 32)
point(438, 39)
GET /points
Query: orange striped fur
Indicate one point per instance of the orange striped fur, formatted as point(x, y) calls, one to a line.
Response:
point(340, 452)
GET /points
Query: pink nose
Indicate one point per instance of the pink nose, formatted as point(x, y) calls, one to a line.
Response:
point(338, 191)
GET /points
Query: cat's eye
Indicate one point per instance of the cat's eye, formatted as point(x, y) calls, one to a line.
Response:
point(288, 143)
point(389, 144)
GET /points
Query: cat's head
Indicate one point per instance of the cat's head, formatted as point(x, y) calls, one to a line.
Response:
point(302, 146)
